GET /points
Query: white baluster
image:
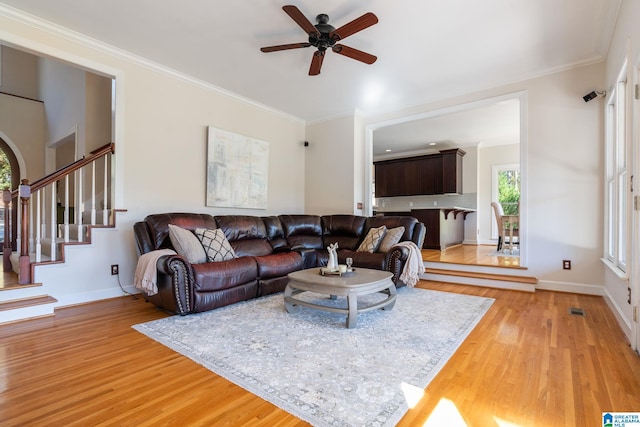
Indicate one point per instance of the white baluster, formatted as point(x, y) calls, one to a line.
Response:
point(43, 226)
point(37, 227)
point(31, 239)
point(66, 208)
point(93, 193)
point(105, 212)
point(53, 222)
point(80, 206)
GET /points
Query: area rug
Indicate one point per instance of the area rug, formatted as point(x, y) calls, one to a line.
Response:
point(309, 364)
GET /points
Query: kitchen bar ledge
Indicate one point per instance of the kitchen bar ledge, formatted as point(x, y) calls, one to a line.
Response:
point(445, 225)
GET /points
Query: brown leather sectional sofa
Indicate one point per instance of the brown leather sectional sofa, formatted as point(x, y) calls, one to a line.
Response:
point(267, 249)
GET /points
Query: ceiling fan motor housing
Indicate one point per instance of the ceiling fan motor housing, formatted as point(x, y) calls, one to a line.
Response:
point(324, 41)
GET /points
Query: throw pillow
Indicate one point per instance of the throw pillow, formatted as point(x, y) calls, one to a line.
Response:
point(215, 244)
point(372, 239)
point(187, 244)
point(391, 237)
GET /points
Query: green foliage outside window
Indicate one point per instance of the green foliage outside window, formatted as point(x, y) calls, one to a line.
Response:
point(509, 191)
point(5, 172)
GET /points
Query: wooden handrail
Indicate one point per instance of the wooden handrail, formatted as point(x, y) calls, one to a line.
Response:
point(71, 167)
point(78, 164)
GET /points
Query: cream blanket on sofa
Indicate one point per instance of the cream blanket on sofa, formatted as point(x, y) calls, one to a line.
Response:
point(146, 275)
point(414, 266)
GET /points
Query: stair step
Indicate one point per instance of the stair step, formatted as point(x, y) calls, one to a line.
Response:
point(16, 286)
point(485, 276)
point(27, 302)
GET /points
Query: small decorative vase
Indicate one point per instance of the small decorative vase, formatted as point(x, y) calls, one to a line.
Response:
point(332, 265)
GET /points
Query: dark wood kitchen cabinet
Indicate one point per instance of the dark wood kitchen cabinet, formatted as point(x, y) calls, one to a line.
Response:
point(452, 170)
point(423, 175)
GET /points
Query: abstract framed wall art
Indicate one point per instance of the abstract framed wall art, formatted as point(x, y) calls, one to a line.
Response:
point(237, 170)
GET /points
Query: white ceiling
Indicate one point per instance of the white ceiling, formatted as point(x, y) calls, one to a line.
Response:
point(426, 49)
point(492, 124)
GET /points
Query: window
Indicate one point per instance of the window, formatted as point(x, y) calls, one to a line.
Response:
point(506, 190)
point(617, 178)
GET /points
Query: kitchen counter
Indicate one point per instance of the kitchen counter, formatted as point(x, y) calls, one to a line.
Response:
point(445, 225)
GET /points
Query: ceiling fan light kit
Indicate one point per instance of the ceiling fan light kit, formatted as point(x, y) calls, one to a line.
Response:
point(324, 36)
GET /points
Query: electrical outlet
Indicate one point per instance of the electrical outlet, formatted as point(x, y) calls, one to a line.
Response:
point(566, 264)
point(114, 269)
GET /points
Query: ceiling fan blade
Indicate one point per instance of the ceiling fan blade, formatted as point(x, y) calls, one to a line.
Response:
point(284, 47)
point(356, 54)
point(358, 24)
point(316, 63)
point(300, 19)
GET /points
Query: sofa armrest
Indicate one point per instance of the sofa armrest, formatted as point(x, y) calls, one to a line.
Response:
point(175, 284)
point(142, 237)
point(396, 258)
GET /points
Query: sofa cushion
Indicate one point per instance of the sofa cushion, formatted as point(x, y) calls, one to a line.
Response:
point(275, 233)
point(391, 237)
point(187, 244)
point(372, 239)
point(215, 276)
point(302, 231)
point(343, 229)
point(215, 244)
point(246, 234)
point(278, 265)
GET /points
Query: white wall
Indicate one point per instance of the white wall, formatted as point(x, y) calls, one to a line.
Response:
point(19, 73)
point(97, 105)
point(22, 123)
point(330, 159)
point(62, 89)
point(161, 122)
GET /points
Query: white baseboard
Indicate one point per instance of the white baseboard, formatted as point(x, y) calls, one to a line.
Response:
point(625, 324)
point(576, 288)
point(83, 298)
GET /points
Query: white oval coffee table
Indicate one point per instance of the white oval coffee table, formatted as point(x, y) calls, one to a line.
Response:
point(362, 281)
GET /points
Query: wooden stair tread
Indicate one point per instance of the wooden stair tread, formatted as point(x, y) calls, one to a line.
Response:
point(488, 276)
point(27, 302)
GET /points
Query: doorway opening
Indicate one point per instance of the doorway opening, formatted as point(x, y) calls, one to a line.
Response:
point(9, 180)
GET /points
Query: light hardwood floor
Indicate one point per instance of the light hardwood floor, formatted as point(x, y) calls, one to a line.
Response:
point(527, 363)
point(471, 255)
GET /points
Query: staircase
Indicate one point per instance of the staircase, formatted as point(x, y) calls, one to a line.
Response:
point(54, 211)
point(25, 302)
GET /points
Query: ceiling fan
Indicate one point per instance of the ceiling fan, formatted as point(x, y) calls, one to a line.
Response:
point(324, 36)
